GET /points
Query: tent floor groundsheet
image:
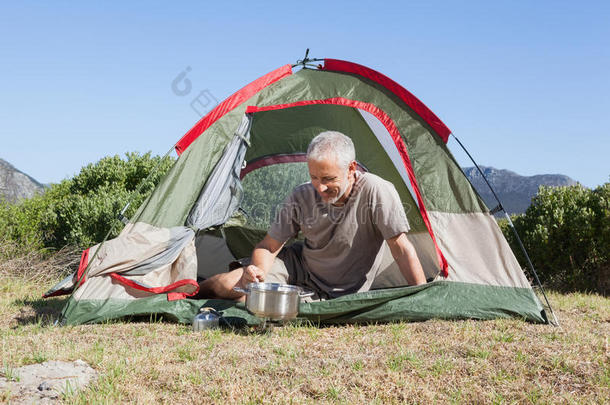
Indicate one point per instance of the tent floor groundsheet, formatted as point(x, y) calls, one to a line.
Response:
point(436, 300)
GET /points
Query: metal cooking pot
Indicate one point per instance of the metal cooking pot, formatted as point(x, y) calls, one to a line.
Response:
point(273, 300)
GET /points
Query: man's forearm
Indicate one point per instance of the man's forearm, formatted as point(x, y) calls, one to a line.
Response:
point(265, 252)
point(411, 269)
point(406, 257)
point(262, 258)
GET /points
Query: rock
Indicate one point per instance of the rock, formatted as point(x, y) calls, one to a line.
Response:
point(46, 382)
point(16, 185)
point(44, 386)
point(80, 363)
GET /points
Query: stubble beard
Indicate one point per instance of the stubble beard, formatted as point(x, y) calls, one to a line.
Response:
point(341, 192)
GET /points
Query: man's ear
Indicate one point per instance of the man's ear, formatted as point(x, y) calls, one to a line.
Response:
point(352, 166)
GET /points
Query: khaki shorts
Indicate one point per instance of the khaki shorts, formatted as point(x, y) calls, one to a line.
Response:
point(288, 268)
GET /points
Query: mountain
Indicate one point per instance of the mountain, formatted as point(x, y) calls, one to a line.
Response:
point(16, 185)
point(513, 190)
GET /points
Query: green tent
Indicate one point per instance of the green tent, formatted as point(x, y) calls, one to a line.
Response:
point(235, 164)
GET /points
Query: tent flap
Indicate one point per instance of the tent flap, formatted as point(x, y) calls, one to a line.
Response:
point(223, 192)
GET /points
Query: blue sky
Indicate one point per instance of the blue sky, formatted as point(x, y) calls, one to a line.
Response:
point(525, 85)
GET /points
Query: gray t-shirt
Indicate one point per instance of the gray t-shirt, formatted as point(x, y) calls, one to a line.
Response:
point(342, 242)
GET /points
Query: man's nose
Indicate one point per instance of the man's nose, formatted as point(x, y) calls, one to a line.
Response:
point(321, 187)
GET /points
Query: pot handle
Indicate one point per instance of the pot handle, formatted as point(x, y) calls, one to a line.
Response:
point(305, 293)
point(241, 290)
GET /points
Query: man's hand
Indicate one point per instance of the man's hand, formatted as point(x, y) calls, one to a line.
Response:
point(221, 285)
point(251, 274)
point(262, 258)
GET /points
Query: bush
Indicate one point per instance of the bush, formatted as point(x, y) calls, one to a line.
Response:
point(79, 211)
point(566, 232)
point(20, 225)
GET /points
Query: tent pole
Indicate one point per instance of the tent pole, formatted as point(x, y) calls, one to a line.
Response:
point(305, 61)
point(530, 265)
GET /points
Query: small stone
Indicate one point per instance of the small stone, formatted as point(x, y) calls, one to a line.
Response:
point(44, 386)
point(81, 363)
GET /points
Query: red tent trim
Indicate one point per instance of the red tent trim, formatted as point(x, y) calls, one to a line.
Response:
point(278, 159)
point(230, 104)
point(272, 160)
point(84, 261)
point(157, 290)
point(400, 145)
point(237, 98)
point(413, 102)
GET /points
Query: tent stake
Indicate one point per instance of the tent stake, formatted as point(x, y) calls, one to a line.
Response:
point(512, 226)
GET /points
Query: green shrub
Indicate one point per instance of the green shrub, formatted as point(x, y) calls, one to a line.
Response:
point(566, 232)
point(20, 226)
point(79, 211)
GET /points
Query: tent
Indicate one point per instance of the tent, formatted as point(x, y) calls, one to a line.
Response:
point(214, 205)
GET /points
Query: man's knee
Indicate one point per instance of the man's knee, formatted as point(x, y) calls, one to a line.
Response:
point(277, 273)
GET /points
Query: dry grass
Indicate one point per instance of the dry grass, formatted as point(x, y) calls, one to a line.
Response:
point(35, 266)
point(503, 361)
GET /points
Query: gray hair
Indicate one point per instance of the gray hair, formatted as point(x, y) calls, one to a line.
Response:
point(332, 144)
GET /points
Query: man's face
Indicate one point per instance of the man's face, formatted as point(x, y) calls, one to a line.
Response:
point(331, 181)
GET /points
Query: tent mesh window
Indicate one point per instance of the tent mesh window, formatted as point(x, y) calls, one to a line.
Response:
point(266, 188)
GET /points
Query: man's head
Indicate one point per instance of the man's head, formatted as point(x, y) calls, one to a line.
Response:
point(331, 161)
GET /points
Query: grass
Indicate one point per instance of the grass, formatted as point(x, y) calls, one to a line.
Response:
point(502, 361)
point(10, 374)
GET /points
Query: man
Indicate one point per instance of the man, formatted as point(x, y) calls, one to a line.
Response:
point(344, 215)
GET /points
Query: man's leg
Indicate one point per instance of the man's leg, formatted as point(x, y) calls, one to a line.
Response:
point(221, 285)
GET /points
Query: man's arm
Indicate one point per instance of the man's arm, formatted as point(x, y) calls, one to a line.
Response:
point(263, 256)
point(221, 285)
point(406, 257)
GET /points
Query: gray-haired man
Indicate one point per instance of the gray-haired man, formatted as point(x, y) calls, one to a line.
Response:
point(344, 216)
